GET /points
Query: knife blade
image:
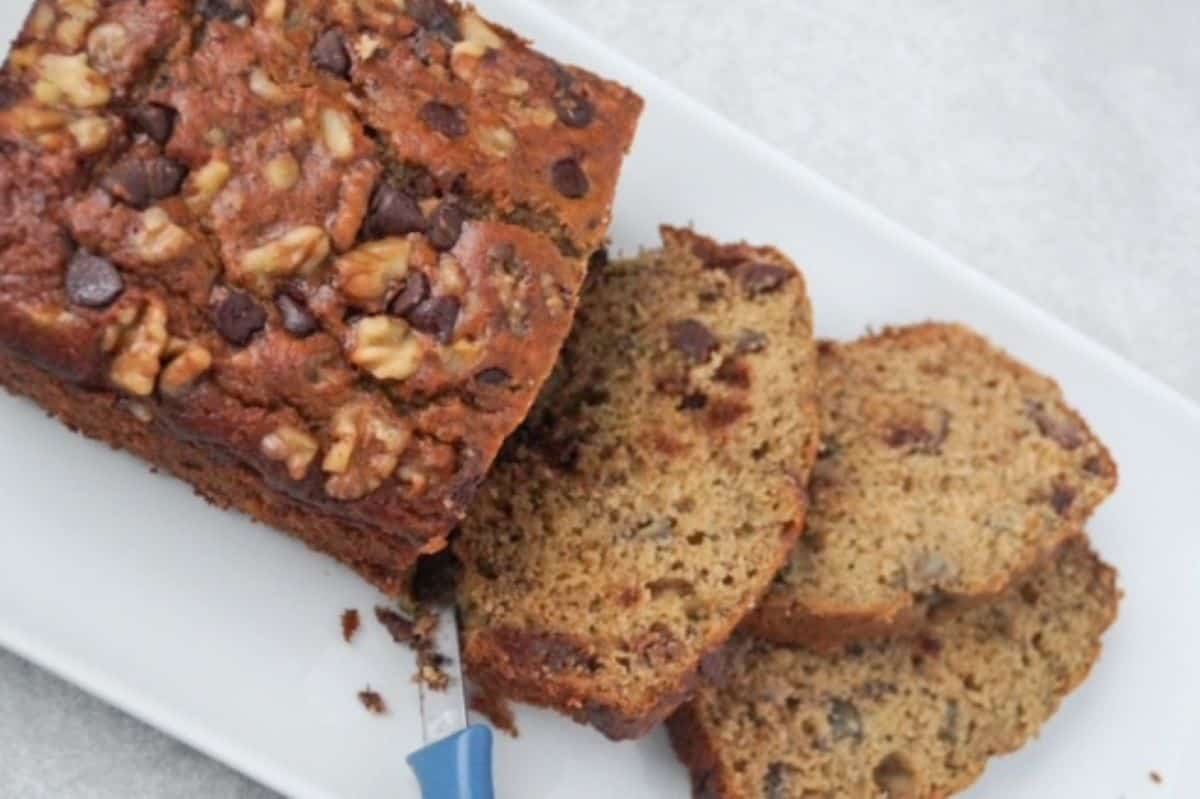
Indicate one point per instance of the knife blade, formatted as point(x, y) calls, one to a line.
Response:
point(456, 762)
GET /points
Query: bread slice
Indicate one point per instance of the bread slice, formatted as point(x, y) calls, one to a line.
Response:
point(903, 719)
point(948, 471)
point(654, 493)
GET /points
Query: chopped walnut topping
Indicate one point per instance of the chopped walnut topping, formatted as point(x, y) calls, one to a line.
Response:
point(293, 447)
point(106, 44)
point(42, 21)
point(337, 134)
point(262, 86)
point(40, 120)
point(205, 184)
point(300, 250)
point(368, 44)
point(366, 273)
point(386, 348)
point(70, 79)
point(158, 239)
point(192, 362)
point(275, 11)
point(368, 442)
point(496, 142)
point(140, 340)
point(451, 277)
point(91, 133)
point(282, 171)
point(476, 31)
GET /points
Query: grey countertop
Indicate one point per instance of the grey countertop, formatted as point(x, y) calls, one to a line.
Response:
point(1055, 146)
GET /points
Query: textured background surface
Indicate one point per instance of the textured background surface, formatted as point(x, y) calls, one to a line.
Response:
point(1055, 146)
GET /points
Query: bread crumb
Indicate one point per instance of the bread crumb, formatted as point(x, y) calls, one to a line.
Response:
point(350, 624)
point(1156, 778)
point(400, 628)
point(372, 701)
point(497, 710)
point(418, 634)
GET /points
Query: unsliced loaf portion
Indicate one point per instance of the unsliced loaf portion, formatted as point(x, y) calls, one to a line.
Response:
point(906, 719)
point(655, 491)
point(948, 471)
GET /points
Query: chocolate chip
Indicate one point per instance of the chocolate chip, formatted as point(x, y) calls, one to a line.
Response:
point(445, 119)
point(11, 93)
point(762, 278)
point(570, 179)
point(435, 15)
point(844, 721)
point(493, 377)
point(331, 54)
point(413, 293)
point(1062, 499)
point(695, 401)
point(1062, 431)
point(227, 10)
point(750, 341)
point(776, 785)
point(436, 316)
point(575, 110)
point(239, 317)
point(155, 120)
point(297, 319)
point(445, 226)
point(598, 260)
point(733, 372)
point(141, 183)
point(393, 213)
point(693, 339)
point(92, 281)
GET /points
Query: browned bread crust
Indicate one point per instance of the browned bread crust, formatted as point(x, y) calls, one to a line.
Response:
point(916, 718)
point(325, 253)
point(655, 490)
point(948, 472)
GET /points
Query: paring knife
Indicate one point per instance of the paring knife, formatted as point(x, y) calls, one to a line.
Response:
point(456, 762)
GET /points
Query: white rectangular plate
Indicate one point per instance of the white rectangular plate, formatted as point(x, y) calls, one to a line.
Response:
point(226, 634)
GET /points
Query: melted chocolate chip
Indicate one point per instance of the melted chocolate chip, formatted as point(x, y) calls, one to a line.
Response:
point(239, 318)
point(493, 377)
point(575, 110)
point(227, 10)
point(761, 278)
point(445, 119)
point(436, 15)
point(436, 316)
point(141, 183)
point(11, 93)
point(693, 339)
point(413, 293)
point(569, 179)
point(297, 319)
point(393, 213)
point(1062, 499)
point(696, 401)
point(155, 120)
point(445, 226)
point(92, 281)
point(331, 54)
point(598, 260)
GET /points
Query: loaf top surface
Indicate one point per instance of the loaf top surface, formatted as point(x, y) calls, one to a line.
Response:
point(655, 490)
point(903, 719)
point(948, 471)
point(341, 241)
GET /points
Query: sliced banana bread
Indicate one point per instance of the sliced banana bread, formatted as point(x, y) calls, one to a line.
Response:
point(947, 472)
point(655, 491)
point(903, 719)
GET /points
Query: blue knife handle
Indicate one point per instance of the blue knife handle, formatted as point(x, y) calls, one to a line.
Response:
point(458, 767)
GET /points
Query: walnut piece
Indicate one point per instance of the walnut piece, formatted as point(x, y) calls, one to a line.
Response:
point(139, 338)
point(337, 134)
point(91, 133)
point(386, 348)
point(293, 447)
point(188, 365)
point(158, 239)
point(282, 171)
point(365, 273)
point(300, 250)
point(70, 80)
point(368, 443)
point(205, 184)
point(106, 44)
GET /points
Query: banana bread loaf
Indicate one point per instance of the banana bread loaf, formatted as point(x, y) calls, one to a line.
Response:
point(948, 471)
point(316, 257)
point(907, 718)
point(654, 492)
